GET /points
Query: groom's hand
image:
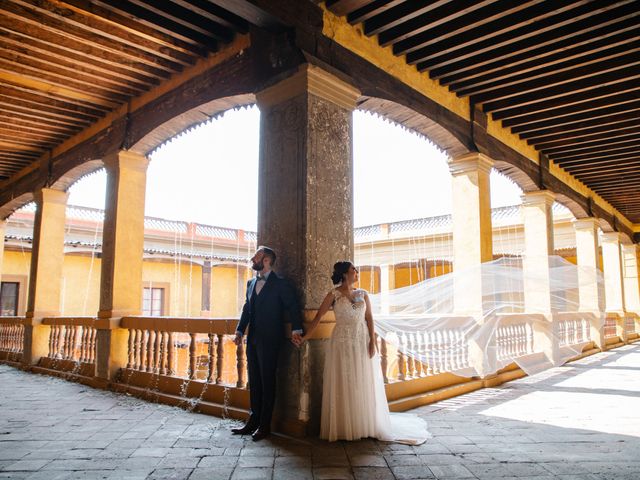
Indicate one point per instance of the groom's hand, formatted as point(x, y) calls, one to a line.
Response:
point(238, 338)
point(296, 339)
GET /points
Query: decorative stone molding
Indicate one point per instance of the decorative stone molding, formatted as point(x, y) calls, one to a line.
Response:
point(470, 162)
point(541, 197)
point(314, 80)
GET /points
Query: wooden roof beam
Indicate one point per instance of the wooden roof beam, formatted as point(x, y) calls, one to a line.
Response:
point(614, 132)
point(584, 128)
point(409, 17)
point(370, 10)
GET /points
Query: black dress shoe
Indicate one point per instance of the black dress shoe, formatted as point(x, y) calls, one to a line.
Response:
point(246, 430)
point(260, 434)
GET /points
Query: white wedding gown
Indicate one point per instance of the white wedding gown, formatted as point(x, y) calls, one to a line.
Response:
point(354, 403)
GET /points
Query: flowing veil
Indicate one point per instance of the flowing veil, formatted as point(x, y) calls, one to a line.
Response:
point(474, 322)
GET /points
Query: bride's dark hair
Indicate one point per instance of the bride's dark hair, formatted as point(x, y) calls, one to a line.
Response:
point(340, 269)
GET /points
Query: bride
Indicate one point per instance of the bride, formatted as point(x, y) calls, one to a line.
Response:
point(354, 403)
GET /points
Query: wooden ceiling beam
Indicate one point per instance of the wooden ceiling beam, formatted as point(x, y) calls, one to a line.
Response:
point(561, 99)
point(592, 147)
point(52, 26)
point(344, 7)
point(162, 39)
point(11, 108)
point(608, 153)
point(35, 126)
point(600, 109)
point(574, 68)
point(77, 73)
point(478, 69)
point(598, 124)
point(41, 82)
point(559, 85)
point(28, 133)
point(407, 17)
point(598, 160)
point(614, 132)
point(50, 101)
point(549, 22)
point(371, 9)
point(15, 49)
point(617, 186)
point(461, 20)
point(216, 14)
point(632, 171)
point(629, 164)
point(58, 46)
point(165, 23)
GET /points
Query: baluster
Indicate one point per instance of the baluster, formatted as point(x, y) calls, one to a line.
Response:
point(157, 358)
point(192, 356)
point(92, 345)
point(143, 350)
point(163, 353)
point(171, 365)
point(52, 333)
point(450, 350)
point(74, 352)
point(83, 345)
point(56, 341)
point(402, 368)
point(410, 361)
point(137, 349)
point(220, 363)
point(211, 372)
point(384, 359)
point(130, 349)
point(150, 344)
point(65, 342)
point(418, 358)
point(428, 348)
point(240, 364)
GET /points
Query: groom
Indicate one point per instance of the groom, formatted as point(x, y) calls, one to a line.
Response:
point(268, 297)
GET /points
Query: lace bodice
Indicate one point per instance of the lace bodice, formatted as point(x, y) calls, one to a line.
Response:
point(350, 321)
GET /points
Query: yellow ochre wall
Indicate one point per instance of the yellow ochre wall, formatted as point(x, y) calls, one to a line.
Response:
point(184, 289)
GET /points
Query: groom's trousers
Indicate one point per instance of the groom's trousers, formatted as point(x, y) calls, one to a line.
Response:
point(262, 360)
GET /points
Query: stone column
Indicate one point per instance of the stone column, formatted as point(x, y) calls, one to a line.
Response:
point(122, 249)
point(538, 244)
point(631, 269)
point(3, 225)
point(472, 244)
point(613, 284)
point(305, 212)
point(591, 292)
point(47, 259)
point(387, 283)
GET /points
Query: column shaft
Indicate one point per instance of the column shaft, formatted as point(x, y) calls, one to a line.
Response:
point(122, 249)
point(45, 279)
point(591, 292)
point(613, 283)
point(631, 269)
point(305, 213)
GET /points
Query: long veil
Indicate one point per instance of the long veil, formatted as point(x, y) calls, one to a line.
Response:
point(523, 312)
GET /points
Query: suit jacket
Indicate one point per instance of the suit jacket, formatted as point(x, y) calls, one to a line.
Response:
point(264, 314)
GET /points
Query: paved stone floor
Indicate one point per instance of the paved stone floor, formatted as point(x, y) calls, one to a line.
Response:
point(580, 421)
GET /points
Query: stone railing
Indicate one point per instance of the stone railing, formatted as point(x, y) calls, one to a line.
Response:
point(610, 328)
point(573, 332)
point(11, 338)
point(514, 340)
point(72, 339)
point(191, 348)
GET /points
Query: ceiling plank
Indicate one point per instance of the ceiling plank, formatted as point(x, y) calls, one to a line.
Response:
point(373, 8)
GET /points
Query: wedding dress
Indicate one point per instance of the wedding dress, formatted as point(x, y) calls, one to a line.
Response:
point(354, 403)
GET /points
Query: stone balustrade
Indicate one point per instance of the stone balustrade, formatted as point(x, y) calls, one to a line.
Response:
point(72, 339)
point(11, 337)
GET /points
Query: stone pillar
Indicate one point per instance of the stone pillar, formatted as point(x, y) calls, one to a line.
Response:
point(613, 284)
point(472, 245)
point(387, 283)
point(122, 249)
point(3, 225)
point(305, 212)
point(591, 292)
point(538, 244)
point(631, 270)
point(47, 259)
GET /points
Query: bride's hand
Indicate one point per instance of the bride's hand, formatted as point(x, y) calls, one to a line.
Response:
point(372, 349)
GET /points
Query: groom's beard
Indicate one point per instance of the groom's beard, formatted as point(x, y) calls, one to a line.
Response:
point(258, 267)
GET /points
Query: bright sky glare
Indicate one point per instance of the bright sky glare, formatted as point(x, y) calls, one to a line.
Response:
point(210, 175)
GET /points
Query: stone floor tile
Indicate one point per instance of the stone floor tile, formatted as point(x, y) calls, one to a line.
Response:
point(170, 474)
point(330, 461)
point(332, 473)
point(368, 460)
point(292, 461)
point(252, 474)
point(218, 461)
point(222, 473)
point(411, 472)
point(26, 465)
point(293, 473)
point(178, 462)
point(451, 471)
point(372, 473)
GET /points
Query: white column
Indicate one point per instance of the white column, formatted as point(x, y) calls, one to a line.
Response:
point(630, 282)
point(472, 233)
point(538, 243)
point(613, 284)
point(472, 246)
point(591, 292)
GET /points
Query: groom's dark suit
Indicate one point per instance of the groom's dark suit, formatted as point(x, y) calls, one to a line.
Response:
point(264, 314)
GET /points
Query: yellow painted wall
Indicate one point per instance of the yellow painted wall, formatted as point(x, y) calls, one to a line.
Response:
point(185, 285)
point(16, 262)
point(226, 290)
point(369, 280)
point(80, 286)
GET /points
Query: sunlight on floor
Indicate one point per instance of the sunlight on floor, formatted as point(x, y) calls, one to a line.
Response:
point(603, 398)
